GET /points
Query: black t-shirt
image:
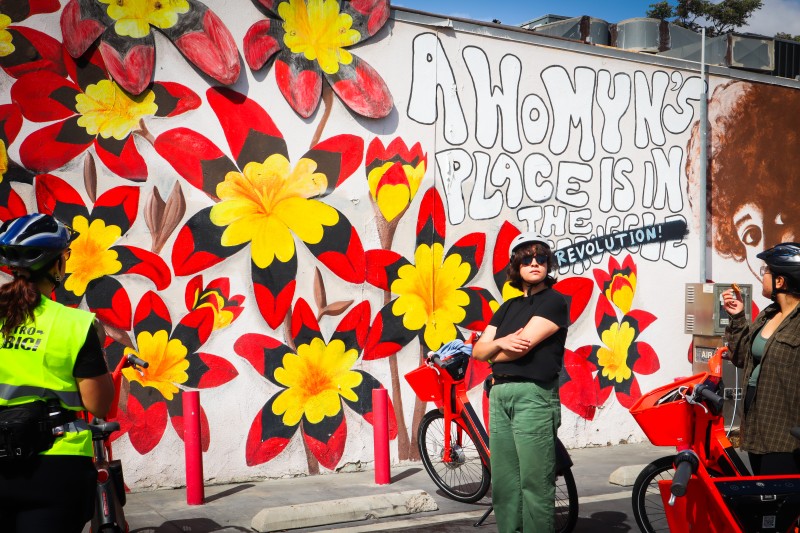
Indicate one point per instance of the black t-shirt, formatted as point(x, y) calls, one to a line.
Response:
point(543, 362)
point(90, 362)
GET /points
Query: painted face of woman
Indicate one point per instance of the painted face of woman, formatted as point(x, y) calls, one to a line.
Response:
point(757, 232)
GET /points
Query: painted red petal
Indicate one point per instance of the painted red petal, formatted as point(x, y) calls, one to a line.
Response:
point(601, 277)
point(147, 264)
point(470, 248)
point(377, 10)
point(133, 71)
point(349, 150)
point(41, 151)
point(220, 371)
point(374, 348)
point(152, 306)
point(329, 453)
point(46, 51)
point(579, 392)
point(500, 255)
point(251, 347)
point(198, 160)
point(302, 87)
point(578, 292)
point(647, 362)
point(271, 306)
point(193, 289)
point(640, 319)
point(78, 33)
point(53, 194)
point(362, 89)
point(303, 317)
point(477, 372)
point(118, 206)
point(357, 320)
point(604, 314)
point(212, 49)
point(634, 393)
point(10, 122)
point(370, 418)
point(174, 99)
point(268, 436)
point(377, 263)
point(349, 263)
point(146, 425)
point(32, 93)
point(128, 164)
point(259, 45)
point(194, 250)
point(13, 206)
point(431, 209)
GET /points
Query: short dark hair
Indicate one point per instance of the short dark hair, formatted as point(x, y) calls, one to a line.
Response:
point(512, 272)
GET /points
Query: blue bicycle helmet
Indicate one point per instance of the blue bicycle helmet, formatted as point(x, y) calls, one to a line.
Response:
point(33, 241)
point(784, 260)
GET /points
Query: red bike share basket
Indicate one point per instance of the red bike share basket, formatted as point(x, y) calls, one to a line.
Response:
point(425, 383)
point(664, 416)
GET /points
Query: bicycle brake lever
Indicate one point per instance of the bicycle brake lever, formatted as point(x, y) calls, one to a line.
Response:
point(672, 500)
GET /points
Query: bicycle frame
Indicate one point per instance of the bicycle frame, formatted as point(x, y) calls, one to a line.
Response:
point(720, 494)
point(431, 383)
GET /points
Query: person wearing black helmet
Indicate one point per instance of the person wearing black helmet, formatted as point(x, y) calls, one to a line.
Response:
point(524, 344)
point(51, 367)
point(769, 351)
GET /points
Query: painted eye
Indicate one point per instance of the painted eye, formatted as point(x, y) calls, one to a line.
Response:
point(751, 235)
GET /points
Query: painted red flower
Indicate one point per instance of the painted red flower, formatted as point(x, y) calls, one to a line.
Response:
point(263, 201)
point(24, 50)
point(316, 378)
point(89, 109)
point(175, 364)
point(11, 205)
point(216, 298)
point(127, 40)
point(394, 174)
point(97, 258)
point(619, 283)
point(311, 38)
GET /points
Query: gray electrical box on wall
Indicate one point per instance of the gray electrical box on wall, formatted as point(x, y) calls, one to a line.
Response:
point(704, 312)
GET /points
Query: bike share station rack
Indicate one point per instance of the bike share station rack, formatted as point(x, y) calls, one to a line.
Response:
point(705, 320)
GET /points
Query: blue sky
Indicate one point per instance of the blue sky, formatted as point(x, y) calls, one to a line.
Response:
point(776, 15)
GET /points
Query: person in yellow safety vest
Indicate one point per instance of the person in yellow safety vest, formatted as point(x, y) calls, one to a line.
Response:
point(51, 367)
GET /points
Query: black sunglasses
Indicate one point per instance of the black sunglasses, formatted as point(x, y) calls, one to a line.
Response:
point(528, 259)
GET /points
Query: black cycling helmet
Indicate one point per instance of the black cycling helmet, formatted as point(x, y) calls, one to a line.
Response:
point(784, 260)
point(33, 241)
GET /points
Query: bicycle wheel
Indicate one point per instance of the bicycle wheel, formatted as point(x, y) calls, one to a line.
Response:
point(648, 507)
point(464, 478)
point(566, 502)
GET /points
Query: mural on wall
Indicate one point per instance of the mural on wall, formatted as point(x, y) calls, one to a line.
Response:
point(127, 43)
point(265, 243)
point(308, 41)
point(753, 202)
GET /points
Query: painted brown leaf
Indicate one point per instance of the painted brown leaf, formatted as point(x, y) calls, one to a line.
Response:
point(90, 177)
point(163, 217)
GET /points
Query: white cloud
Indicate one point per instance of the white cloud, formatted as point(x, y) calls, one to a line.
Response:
point(775, 16)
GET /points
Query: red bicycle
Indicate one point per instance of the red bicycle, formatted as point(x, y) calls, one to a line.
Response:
point(454, 445)
point(706, 482)
point(110, 495)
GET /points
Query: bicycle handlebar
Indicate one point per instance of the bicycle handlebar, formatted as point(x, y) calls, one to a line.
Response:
point(686, 464)
point(133, 360)
point(712, 397)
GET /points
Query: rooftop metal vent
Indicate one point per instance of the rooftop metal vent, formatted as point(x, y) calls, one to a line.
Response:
point(749, 52)
point(586, 29)
point(640, 35)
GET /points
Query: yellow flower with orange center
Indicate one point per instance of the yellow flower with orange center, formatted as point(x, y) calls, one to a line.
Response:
point(268, 202)
point(614, 357)
point(6, 46)
point(393, 195)
point(621, 290)
point(109, 111)
point(91, 258)
point(167, 362)
point(134, 17)
point(315, 378)
point(319, 31)
point(430, 294)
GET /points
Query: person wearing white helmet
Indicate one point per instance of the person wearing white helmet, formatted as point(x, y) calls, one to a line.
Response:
point(524, 344)
point(769, 351)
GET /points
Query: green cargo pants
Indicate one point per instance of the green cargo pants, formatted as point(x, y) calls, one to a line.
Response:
point(523, 419)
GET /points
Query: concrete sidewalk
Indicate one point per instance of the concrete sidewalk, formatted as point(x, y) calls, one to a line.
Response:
point(231, 508)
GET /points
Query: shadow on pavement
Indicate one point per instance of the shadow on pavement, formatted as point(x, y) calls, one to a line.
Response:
point(406, 473)
point(605, 521)
point(232, 490)
point(192, 525)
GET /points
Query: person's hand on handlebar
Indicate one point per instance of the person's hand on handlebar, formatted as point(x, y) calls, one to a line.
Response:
point(731, 303)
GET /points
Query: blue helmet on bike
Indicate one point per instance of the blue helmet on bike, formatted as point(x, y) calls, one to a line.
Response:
point(33, 241)
point(784, 260)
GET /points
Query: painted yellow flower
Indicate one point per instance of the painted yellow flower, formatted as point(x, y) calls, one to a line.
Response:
point(614, 357)
point(134, 17)
point(216, 302)
point(315, 378)
point(91, 258)
point(108, 111)
point(3, 161)
point(168, 363)
point(621, 291)
point(429, 294)
point(394, 195)
point(6, 46)
point(319, 31)
point(268, 202)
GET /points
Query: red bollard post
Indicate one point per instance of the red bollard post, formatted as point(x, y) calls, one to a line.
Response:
point(193, 448)
point(380, 425)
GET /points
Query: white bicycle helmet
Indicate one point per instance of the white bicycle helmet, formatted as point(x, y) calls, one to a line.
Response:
point(529, 237)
